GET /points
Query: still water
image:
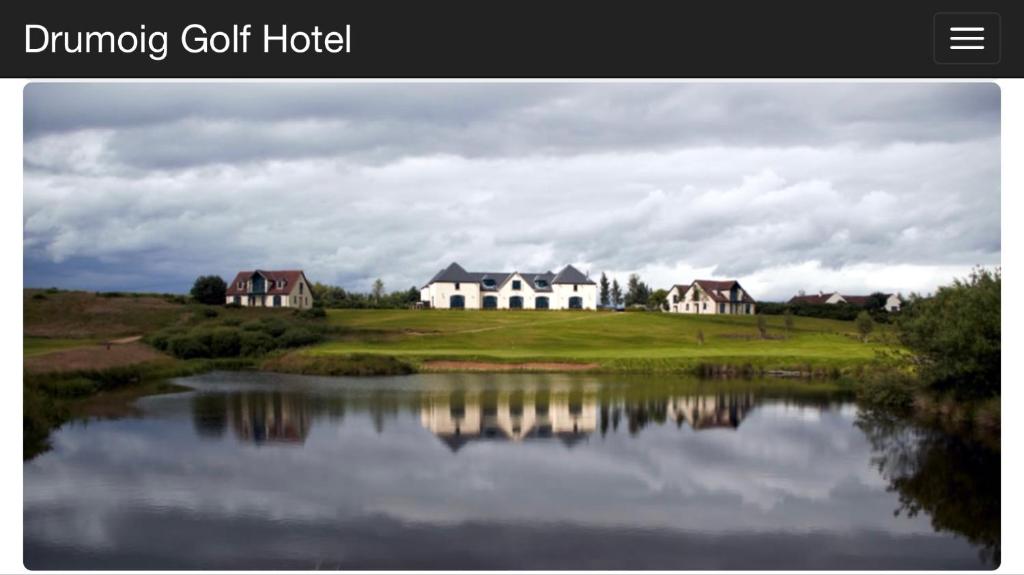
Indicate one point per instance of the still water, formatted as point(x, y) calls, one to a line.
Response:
point(264, 471)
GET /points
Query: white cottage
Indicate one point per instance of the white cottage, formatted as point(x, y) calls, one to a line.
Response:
point(264, 288)
point(711, 297)
point(455, 288)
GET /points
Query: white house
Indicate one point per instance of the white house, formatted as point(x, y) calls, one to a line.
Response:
point(711, 297)
point(455, 288)
point(892, 301)
point(263, 288)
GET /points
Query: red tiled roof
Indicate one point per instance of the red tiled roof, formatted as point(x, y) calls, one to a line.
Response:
point(290, 277)
point(719, 290)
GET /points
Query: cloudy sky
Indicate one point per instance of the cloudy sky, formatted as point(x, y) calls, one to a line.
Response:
point(851, 187)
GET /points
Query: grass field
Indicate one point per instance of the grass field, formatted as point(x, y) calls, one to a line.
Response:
point(33, 346)
point(618, 341)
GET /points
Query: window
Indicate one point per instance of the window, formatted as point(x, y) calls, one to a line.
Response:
point(490, 302)
point(575, 302)
point(675, 298)
point(705, 305)
point(489, 283)
point(241, 285)
point(517, 285)
point(748, 308)
point(541, 283)
point(721, 308)
point(457, 285)
point(301, 285)
point(575, 287)
point(687, 307)
point(542, 303)
point(277, 301)
point(515, 302)
point(234, 299)
point(457, 302)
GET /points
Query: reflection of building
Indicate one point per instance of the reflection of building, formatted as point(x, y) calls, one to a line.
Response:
point(460, 417)
point(707, 411)
point(269, 417)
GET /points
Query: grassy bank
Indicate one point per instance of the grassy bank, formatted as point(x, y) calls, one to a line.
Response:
point(633, 342)
point(82, 349)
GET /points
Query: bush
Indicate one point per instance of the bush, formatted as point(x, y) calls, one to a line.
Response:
point(255, 343)
point(39, 296)
point(178, 299)
point(224, 342)
point(273, 326)
point(955, 335)
point(252, 326)
point(232, 321)
point(297, 337)
point(208, 312)
point(188, 347)
point(311, 313)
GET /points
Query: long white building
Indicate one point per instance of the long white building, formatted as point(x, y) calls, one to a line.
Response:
point(455, 288)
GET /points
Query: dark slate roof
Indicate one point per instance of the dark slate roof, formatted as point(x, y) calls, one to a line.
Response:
point(813, 299)
point(452, 273)
point(571, 275)
point(456, 273)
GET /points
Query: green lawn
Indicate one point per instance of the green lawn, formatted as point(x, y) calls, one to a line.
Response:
point(33, 346)
point(614, 340)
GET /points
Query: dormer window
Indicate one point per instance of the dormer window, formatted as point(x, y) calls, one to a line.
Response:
point(241, 285)
point(517, 285)
point(541, 283)
point(488, 283)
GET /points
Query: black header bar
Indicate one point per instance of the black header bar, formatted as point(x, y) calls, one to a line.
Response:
point(512, 39)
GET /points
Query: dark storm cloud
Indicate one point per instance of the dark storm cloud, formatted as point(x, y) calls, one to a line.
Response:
point(789, 185)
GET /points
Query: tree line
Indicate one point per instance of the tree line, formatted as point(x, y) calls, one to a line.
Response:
point(638, 294)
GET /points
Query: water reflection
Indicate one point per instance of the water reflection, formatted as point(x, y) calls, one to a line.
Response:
point(257, 471)
point(951, 478)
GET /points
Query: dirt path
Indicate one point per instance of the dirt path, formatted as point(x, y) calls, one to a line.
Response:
point(458, 365)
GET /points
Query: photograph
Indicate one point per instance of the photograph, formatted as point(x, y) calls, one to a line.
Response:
point(511, 325)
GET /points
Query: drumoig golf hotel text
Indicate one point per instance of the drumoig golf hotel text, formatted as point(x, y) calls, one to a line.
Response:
point(194, 39)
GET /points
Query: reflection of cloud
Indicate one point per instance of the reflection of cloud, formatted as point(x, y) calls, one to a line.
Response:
point(779, 472)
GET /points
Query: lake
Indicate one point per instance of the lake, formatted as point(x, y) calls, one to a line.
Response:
point(507, 471)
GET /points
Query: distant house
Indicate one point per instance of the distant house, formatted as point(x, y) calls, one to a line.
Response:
point(711, 297)
point(892, 301)
point(264, 288)
point(455, 288)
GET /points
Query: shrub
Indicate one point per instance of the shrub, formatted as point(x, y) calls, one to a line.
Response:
point(208, 312)
point(252, 326)
point(297, 337)
point(232, 321)
point(273, 326)
point(178, 299)
point(312, 313)
point(224, 342)
point(188, 347)
point(955, 335)
point(865, 325)
point(39, 296)
point(255, 343)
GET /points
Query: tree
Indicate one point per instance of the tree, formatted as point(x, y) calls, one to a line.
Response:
point(209, 290)
point(865, 325)
point(605, 290)
point(378, 290)
point(955, 335)
point(633, 290)
point(658, 300)
point(616, 293)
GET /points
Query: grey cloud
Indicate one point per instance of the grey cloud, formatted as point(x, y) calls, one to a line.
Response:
point(356, 181)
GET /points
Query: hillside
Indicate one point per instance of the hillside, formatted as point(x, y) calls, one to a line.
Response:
point(618, 341)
